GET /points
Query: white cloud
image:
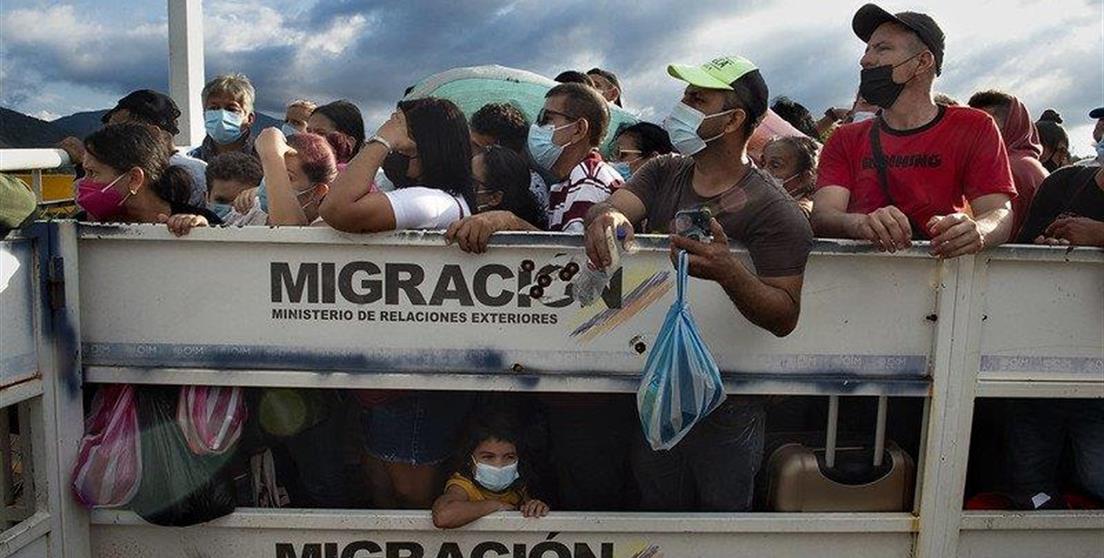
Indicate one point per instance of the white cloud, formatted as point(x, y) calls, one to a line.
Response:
point(232, 27)
point(337, 40)
point(45, 115)
point(68, 31)
point(1048, 54)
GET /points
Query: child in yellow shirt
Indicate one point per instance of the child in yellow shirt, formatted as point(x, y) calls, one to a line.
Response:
point(490, 476)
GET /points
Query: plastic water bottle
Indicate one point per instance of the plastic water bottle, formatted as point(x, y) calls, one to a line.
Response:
point(591, 281)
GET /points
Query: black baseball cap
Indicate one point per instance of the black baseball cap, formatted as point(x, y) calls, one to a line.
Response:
point(150, 106)
point(1096, 113)
point(870, 17)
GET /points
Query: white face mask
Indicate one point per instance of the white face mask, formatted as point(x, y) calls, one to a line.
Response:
point(300, 194)
point(682, 126)
point(862, 115)
point(495, 479)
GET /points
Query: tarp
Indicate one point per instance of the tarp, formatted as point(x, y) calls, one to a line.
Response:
point(472, 87)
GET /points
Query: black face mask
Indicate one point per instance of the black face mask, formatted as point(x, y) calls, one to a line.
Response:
point(395, 167)
point(876, 84)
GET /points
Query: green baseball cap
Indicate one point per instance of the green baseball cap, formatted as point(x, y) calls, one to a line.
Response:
point(719, 73)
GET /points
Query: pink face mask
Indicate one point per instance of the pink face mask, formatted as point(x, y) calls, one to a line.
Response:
point(99, 199)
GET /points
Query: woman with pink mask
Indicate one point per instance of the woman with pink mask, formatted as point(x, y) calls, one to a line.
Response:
point(128, 179)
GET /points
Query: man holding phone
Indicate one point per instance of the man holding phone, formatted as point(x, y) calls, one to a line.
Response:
point(723, 102)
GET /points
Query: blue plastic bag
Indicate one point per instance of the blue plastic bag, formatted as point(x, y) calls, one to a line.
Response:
point(681, 383)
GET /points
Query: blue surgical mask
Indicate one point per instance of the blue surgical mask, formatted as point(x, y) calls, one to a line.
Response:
point(288, 130)
point(1100, 150)
point(623, 169)
point(682, 125)
point(545, 152)
point(262, 195)
point(223, 126)
point(495, 479)
point(221, 209)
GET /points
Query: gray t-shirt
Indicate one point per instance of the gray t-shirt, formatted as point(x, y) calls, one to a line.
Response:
point(756, 212)
point(198, 169)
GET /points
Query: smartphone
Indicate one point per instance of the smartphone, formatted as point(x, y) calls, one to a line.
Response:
point(694, 224)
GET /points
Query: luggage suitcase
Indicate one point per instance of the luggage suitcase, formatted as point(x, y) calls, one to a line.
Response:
point(841, 479)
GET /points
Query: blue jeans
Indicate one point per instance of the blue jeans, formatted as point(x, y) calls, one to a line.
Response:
point(1037, 432)
point(712, 469)
point(419, 428)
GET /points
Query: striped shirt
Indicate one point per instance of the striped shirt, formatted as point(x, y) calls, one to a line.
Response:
point(590, 182)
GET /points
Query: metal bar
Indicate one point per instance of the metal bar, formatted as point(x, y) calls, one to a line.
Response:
point(1036, 520)
point(55, 203)
point(833, 424)
point(581, 522)
point(62, 405)
point(186, 67)
point(879, 431)
point(752, 384)
point(27, 432)
point(954, 380)
point(1042, 390)
point(7, 468)
point(25, 533)
point(36, 184)
point(528, 240)
point(15, 394)
point(921, 457)
point(32, 159)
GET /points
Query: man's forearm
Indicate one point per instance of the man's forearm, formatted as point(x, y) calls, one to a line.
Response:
point(766, 306)
point(516, 223)
point(995, 226)
point(830, 223)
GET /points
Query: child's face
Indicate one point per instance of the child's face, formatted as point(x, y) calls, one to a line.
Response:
point(495, 453)
point(224, 191)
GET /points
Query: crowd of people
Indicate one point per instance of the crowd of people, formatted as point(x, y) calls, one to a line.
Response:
point(902, 164)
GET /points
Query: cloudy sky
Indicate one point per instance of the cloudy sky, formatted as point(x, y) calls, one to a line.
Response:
point(59, 57)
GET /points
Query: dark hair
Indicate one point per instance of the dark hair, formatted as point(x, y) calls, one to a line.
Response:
point(806, 149)
point(148, 107)
point(316, 156)
point(999, 101)
point(796, 114)
point(1050, 115)
point(128, 145)
point(444, 145)
point(749, 93)
point(584, 102)
point(499, 425)
point(234, 165)
point(343, 145)
point(508, 173)
point(1051, 134)
point(503, 122)
point(610, 77)
point(945, 100)
point(572, 76)
point(652, 139)
point(346, 118)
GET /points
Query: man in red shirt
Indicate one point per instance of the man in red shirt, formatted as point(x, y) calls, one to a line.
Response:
point(919, 170)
